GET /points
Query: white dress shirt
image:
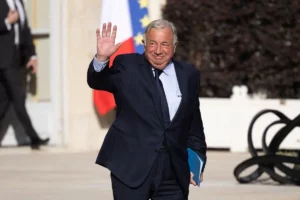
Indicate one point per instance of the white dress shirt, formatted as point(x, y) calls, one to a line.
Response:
point(168, 79)
point(11, 4)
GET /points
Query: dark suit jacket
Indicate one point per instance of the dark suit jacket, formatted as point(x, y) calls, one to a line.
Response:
point(8, 52)
point(132, 142)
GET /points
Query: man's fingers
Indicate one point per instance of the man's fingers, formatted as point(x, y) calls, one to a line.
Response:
point(192, 180)
point(114, 32)
point(11, 12)
point(108, 32)
point(33, 65)
point(15, 14)
point(192, 175)
point(29, 63)
point(98, 34)
point(34, 69)
point(104, 30)
point(201, 178)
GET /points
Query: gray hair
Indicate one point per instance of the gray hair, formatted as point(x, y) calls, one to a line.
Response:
point(161, 24)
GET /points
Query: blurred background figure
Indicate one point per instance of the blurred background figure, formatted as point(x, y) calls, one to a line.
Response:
point(17, 55)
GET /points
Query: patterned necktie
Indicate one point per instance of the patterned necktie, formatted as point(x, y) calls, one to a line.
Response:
point(163, 99)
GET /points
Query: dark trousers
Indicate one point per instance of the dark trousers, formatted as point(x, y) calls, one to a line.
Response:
point(13, 92)
point(160, 184)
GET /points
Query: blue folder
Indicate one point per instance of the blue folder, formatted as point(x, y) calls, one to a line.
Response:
point(196, 165)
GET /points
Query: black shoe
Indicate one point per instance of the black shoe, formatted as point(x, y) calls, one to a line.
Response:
point(35, 144)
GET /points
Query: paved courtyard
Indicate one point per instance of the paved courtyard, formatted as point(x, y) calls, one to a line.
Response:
point(59, 174)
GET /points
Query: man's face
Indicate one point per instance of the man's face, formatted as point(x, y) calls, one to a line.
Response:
point(159, 48)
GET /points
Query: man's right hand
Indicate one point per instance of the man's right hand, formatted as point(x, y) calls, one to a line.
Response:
point(106, 42)
point(12, 16)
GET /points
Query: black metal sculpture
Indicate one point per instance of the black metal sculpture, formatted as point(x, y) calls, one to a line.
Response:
point(271, 160)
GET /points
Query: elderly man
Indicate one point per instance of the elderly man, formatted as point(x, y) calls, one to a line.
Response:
point(158, 115)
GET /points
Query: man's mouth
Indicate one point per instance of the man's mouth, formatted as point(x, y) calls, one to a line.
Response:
point(158, 57)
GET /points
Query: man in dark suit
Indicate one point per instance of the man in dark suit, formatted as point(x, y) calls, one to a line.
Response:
point(157, 118)
point(16, 51)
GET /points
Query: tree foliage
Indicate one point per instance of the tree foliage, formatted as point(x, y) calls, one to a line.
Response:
point(240, 42)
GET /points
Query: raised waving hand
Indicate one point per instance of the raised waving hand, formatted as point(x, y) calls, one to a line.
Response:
point(106, 41)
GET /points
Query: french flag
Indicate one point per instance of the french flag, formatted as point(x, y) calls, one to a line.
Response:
point(131, 17)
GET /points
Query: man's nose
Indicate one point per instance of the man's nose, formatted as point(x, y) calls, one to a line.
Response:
point(158, 49)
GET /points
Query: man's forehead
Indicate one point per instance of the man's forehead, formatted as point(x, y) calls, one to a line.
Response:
point(163, 33)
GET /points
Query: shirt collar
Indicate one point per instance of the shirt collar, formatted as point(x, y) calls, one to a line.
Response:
point(168, 70)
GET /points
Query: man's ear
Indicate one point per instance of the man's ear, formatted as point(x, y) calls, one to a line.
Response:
point(143, 41)
point(175, 45)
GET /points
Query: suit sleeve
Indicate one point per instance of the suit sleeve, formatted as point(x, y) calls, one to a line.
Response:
point(28, 46)
point(196, 139)
point(28, 42)
point(4, 26)
point(110, 79)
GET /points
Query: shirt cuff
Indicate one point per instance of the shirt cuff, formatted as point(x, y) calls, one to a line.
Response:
point(33, 57)
point(99, 65)
point(8, 25)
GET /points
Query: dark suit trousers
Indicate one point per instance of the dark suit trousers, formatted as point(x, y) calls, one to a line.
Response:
point(160, 184)
point(13, 83)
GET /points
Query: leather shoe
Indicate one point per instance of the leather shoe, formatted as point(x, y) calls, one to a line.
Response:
point(35, 144)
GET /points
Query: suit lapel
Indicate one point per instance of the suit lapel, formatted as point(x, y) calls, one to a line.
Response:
point(146, 71)
point(148, 76)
